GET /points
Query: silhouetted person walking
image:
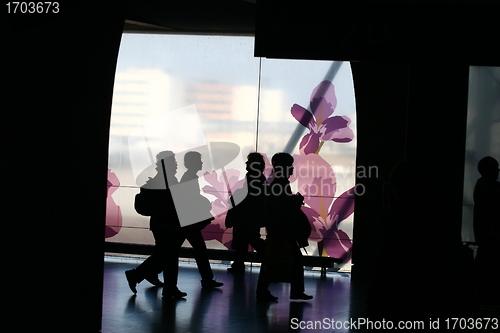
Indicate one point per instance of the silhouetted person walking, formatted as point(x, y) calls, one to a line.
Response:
point(487, 231)
point(199, 208)
point(155, 200)
point(286, 223)
point(249, 213)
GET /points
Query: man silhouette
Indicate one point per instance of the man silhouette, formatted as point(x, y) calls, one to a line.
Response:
point(287, 223)
point(155, 200)
point(199, 210)
point(250, 215)
point(487, 230)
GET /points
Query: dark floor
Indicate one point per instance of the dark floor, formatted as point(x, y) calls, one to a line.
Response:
point(232, 308)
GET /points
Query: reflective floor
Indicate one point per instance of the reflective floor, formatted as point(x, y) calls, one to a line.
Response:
point(232, 308)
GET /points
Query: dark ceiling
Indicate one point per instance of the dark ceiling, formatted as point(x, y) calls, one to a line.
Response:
point(351, 30)
point(192, 16)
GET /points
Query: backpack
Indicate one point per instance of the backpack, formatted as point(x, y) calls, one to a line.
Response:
point(142, 202)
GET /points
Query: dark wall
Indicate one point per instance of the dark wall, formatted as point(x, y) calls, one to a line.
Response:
point(410, 69)
point(378, 30)
point(409, 260)
point(381, 115)
point(59, 75)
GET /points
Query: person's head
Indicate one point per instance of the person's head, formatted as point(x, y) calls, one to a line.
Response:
point(255, 163)
point(282, 165)
point(169, 161)
point(488, 167)
point(192, 161)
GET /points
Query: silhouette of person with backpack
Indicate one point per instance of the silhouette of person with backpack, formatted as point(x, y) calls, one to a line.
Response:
point(288, 230)
point(155, 200)
point(248, 215)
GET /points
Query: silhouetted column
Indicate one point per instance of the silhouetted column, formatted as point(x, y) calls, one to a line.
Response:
point(381, 111)
point(59, 72)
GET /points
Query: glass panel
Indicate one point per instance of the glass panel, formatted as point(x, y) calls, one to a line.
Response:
point(483, 134)
point(209, 94)
point(324, 151)
point(178, 93)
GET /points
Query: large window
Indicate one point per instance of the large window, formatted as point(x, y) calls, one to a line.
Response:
point(483, 134)
point(210, 94)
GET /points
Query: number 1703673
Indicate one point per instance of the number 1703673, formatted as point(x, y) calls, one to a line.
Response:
point(15, 7)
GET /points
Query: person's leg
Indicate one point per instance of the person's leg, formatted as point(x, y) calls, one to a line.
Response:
point(262, 292)
point(195, 238)
point(170, 263)
point(149, 268)
point(240, 246)
point(297, 283)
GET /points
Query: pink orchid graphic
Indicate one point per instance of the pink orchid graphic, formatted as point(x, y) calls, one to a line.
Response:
point(113, 211)
point(221, 187)
point(317, 183)
point(336, 242)
point(321, 126)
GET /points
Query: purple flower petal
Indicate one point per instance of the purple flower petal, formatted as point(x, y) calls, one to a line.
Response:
point(219, 206)
point(342, 207)
point(343, 135)
point(211, 190)
point(323, 100)
point(113, 219)
point(309, 167)
point(211, 178)
point(303, 116)
point(337, 244)
point(337, 129)
point(229, 182)
point(113, 183)
point(322, 109)
point(319, 194)
point(309, 143)
point(113, 211)
point(239, 184)
point(318, 227)
point(217, 230)
point(333, 124)
point(220, 188)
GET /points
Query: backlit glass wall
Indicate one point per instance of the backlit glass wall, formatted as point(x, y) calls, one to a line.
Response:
point(210, 94)
point(483, 134)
